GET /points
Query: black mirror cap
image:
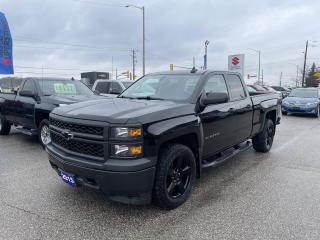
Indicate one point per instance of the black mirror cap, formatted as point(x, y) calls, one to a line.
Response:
point(213, 98)
point(26, 93)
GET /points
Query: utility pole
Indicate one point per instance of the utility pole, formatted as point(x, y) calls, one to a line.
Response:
point(194, 62)
point(206, 43)
point(262, 76)
point(143, 37)
point(116, 73)
point(133, 64)
point(259, 52)
point(112, 67)
point(280, 79)
point(304, 64)
point(144, 44)
point(297, 77)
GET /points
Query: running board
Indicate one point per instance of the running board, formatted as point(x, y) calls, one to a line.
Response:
point(29, 132)
point(225, 155)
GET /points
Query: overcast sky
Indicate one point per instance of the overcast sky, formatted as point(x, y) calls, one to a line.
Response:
point(64, 37)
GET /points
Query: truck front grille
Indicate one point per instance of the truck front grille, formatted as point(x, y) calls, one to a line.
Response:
point(77, 127)
point(80, 147)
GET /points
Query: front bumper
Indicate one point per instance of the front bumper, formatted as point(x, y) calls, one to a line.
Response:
point(299, 109)
point(133, 187)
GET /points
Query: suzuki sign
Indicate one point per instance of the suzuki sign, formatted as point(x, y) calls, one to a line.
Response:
point(236, 63)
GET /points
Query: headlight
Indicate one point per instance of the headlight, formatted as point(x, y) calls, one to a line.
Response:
point(285, 103)
point(126, 151)
point(126, 132)
point(62, 104)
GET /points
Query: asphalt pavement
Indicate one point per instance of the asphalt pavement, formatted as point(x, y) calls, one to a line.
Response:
point(252, 196)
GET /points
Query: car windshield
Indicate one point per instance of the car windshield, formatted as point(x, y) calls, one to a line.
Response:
point(278, 88)
point(64, 87)
point(304, 93)
point(251, 89)
point(259, 88)
point(127, 84)
point(165, 87)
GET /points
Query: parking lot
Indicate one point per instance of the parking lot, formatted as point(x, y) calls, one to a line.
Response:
point(252, 196)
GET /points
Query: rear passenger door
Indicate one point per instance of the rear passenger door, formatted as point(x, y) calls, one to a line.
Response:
point(240, 109)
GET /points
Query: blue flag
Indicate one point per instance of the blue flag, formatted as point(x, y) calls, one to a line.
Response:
point(6, 63)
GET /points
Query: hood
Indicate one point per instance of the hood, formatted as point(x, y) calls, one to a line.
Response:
point(55, 99)
point(121, 110)
point(300, 100)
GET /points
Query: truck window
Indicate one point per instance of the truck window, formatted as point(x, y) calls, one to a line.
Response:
point(115, 88)
point(235, 87)
point(103, 87)
point(216, 83)
point(29, 86)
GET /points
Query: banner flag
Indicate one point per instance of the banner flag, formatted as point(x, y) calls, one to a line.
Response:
point(6, 63)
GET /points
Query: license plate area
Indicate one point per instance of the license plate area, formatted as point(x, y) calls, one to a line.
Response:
point(68, 178)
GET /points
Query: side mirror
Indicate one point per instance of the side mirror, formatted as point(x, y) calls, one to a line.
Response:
point(27, 93)
point(213, 98)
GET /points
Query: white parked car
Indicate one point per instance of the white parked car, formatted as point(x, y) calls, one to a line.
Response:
point(111, 87)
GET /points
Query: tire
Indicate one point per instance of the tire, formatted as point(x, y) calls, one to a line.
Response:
point(175, 175)
point(263, 141)
point(316, 115)
point(5, 127)
point(44, 133)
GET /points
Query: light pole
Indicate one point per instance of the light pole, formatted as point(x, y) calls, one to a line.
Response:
point(143, 37)
point(259, 56)
point(205, 59)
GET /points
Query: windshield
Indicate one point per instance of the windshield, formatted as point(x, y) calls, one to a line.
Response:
point(259, 88)
point(304, 93)
point(278, 88)
point(251, 89)
point(127, 84)
point(167, 87)
point(64, 87)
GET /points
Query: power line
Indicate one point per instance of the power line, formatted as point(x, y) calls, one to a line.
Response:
point(99, 3)
point(27, 39)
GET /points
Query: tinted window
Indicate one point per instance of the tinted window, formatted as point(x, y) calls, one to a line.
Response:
point(103, 87)
point(216, 83)
point(235, 87)
point(29, 86)
point(115, 88)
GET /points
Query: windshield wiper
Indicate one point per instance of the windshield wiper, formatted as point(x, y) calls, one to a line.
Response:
point(126, 97)
point(150, 98)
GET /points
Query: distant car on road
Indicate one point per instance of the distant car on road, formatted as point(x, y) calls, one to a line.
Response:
point(285, 92)
point(302, 100)
point(111, 87)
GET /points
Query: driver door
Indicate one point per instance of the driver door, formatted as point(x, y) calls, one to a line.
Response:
point(216, 119)
point(25, 106)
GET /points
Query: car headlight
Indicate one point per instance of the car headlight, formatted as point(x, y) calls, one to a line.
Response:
point(126, 151)
point(285, 103)
point(125, 132)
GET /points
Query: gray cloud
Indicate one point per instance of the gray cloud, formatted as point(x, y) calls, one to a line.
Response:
point(176, 32)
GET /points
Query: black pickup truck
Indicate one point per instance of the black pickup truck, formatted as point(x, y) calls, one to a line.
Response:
point(29, 107)
point(152, 141)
